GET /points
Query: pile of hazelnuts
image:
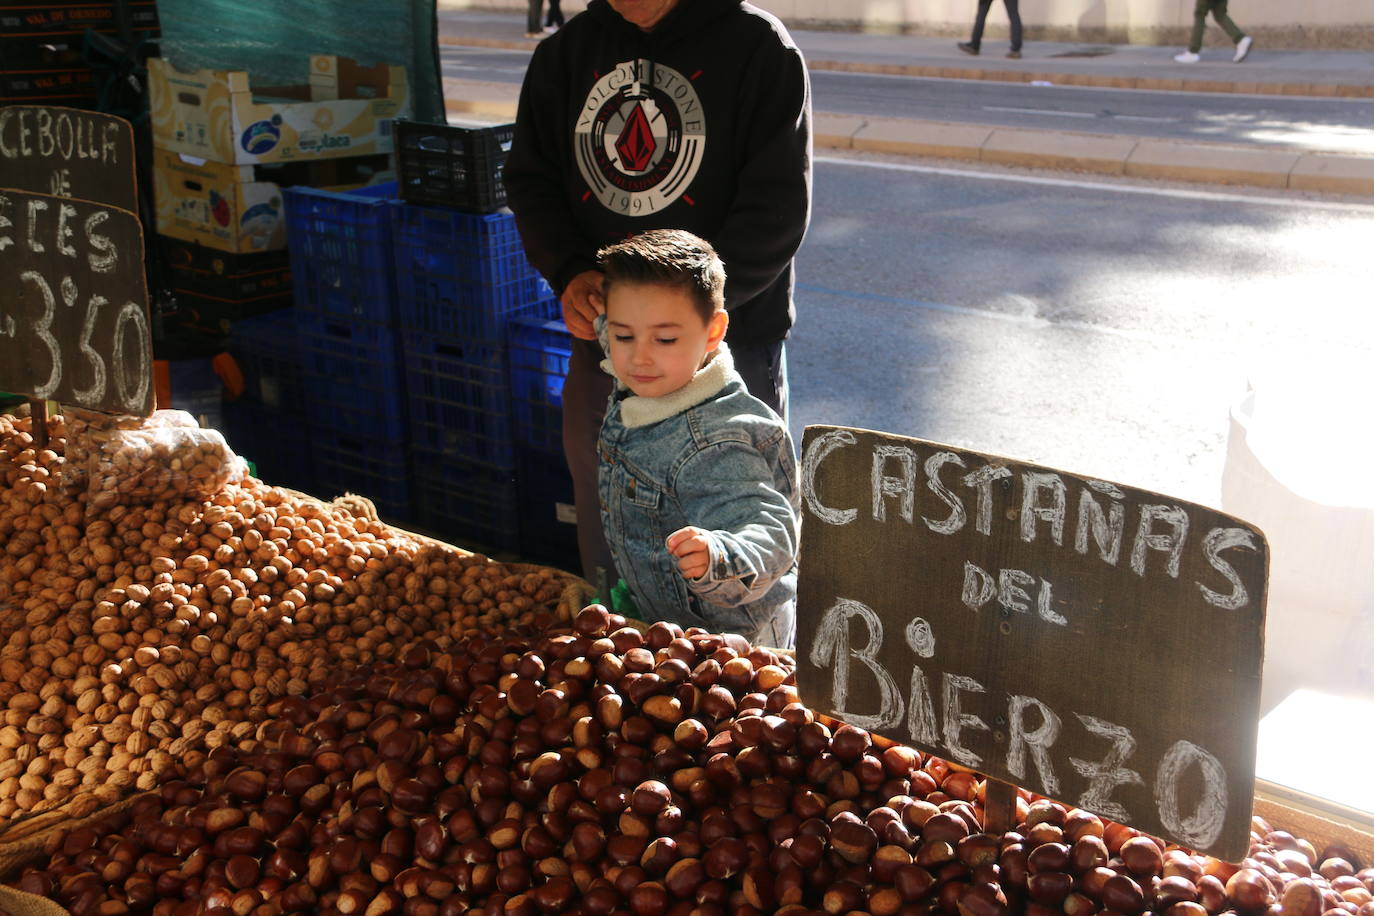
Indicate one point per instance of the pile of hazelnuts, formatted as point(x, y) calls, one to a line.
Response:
point(609, 771)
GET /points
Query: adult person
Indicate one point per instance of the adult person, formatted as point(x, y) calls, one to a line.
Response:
point(533, 27)
point(663, 114)
point(1217, 8)
point(975, 43)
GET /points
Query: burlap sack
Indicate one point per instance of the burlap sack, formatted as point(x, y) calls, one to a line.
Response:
point(18, 903)
point(25, 841)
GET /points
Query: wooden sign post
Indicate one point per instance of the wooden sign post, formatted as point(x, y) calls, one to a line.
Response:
point(1091, 642)
point(74, 307)
point(74, 320)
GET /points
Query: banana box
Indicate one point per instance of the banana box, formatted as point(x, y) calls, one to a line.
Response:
point(345, 110)
point(239, 208)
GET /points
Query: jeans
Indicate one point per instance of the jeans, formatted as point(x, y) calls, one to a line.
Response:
point(585, 393)
point(1013, 13)
point(1218, 10)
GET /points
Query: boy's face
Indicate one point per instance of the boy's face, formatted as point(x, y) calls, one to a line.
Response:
point(657, 338)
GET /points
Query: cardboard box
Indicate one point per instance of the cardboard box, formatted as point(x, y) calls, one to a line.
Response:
point(239, 208)
point(346, 110)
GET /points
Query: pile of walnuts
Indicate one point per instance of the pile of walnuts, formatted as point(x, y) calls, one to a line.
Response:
point(146, 623)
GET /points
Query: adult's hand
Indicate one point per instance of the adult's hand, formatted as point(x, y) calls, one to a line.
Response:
point(582, 302)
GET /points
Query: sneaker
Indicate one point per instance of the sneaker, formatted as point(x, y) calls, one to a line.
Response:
point(968, 48)
point(1014, 55)
point(1187, 57)
point(1243, 48)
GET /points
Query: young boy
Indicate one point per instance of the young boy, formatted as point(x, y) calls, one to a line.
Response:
point(697, 477)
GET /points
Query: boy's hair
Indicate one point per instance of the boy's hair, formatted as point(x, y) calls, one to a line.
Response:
point(668, 257)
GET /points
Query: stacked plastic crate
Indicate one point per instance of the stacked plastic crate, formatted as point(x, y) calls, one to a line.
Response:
point(461, 276)
point(324, 380)
point(540, 349)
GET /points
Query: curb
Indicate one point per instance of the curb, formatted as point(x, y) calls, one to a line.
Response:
point(1103, 154)
point(1100, 80)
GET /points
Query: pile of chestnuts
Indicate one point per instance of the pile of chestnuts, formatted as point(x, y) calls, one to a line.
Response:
point(609, 771)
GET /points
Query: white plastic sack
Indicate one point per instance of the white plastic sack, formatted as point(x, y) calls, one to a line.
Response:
point(1297, 467)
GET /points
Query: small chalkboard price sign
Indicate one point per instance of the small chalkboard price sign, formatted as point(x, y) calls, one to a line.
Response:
point(74, 313)
point(1093, 643)
point(67, 152)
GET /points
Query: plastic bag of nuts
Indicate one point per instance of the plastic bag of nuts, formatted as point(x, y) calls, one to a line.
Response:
point(139, 467)
point(88, 432)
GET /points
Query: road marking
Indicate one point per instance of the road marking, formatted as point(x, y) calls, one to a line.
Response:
point(1100, 186)
point(1042, 111)
point(1153, 120)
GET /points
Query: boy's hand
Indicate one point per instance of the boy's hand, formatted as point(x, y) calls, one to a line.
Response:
point(692, 547)
point(582, 302)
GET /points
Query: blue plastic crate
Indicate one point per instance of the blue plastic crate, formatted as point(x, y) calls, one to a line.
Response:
point(463, 502)
point(275, 443)
point(540, 349)
point(458, 399)
point(544, 497)
point(464, 274)
point(267, 352)
point(341, 252)
point(346, 459)
point(352, 372)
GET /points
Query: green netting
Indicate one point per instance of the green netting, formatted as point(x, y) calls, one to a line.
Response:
point(273, 39)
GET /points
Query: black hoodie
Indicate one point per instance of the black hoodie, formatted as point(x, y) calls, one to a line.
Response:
point(702, 124)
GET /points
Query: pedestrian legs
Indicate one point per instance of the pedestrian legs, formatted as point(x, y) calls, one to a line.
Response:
point(1232, 30)
point(1014, 14)
point(976, 39)
point(555, 17)
point(1200, 10)
point(533, 28)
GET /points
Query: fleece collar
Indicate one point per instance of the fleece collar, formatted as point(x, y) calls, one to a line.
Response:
point(637, 411)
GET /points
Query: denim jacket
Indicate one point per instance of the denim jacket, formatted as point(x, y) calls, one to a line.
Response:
point(713, 456)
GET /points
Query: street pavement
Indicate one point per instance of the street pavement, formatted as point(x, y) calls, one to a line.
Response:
point(1289, 73)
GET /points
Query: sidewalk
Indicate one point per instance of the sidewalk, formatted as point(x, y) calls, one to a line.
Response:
point(1324, 74)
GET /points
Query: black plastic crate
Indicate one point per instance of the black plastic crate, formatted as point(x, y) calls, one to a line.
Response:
point(73, 87)
point(36, 34)
point(450, 165)
point(219, 285)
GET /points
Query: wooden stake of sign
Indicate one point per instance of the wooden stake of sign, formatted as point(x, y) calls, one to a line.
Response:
point(38, 411)
point(999, 806)
point(1094, 643)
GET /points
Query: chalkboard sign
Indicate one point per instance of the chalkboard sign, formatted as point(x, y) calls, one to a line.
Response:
point(67, 152)
point(1091, 642)
point(74, 316)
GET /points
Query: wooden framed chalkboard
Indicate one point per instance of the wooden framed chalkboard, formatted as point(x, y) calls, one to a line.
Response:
point(1089, 641)
point(74, 314)
point(68, 152)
